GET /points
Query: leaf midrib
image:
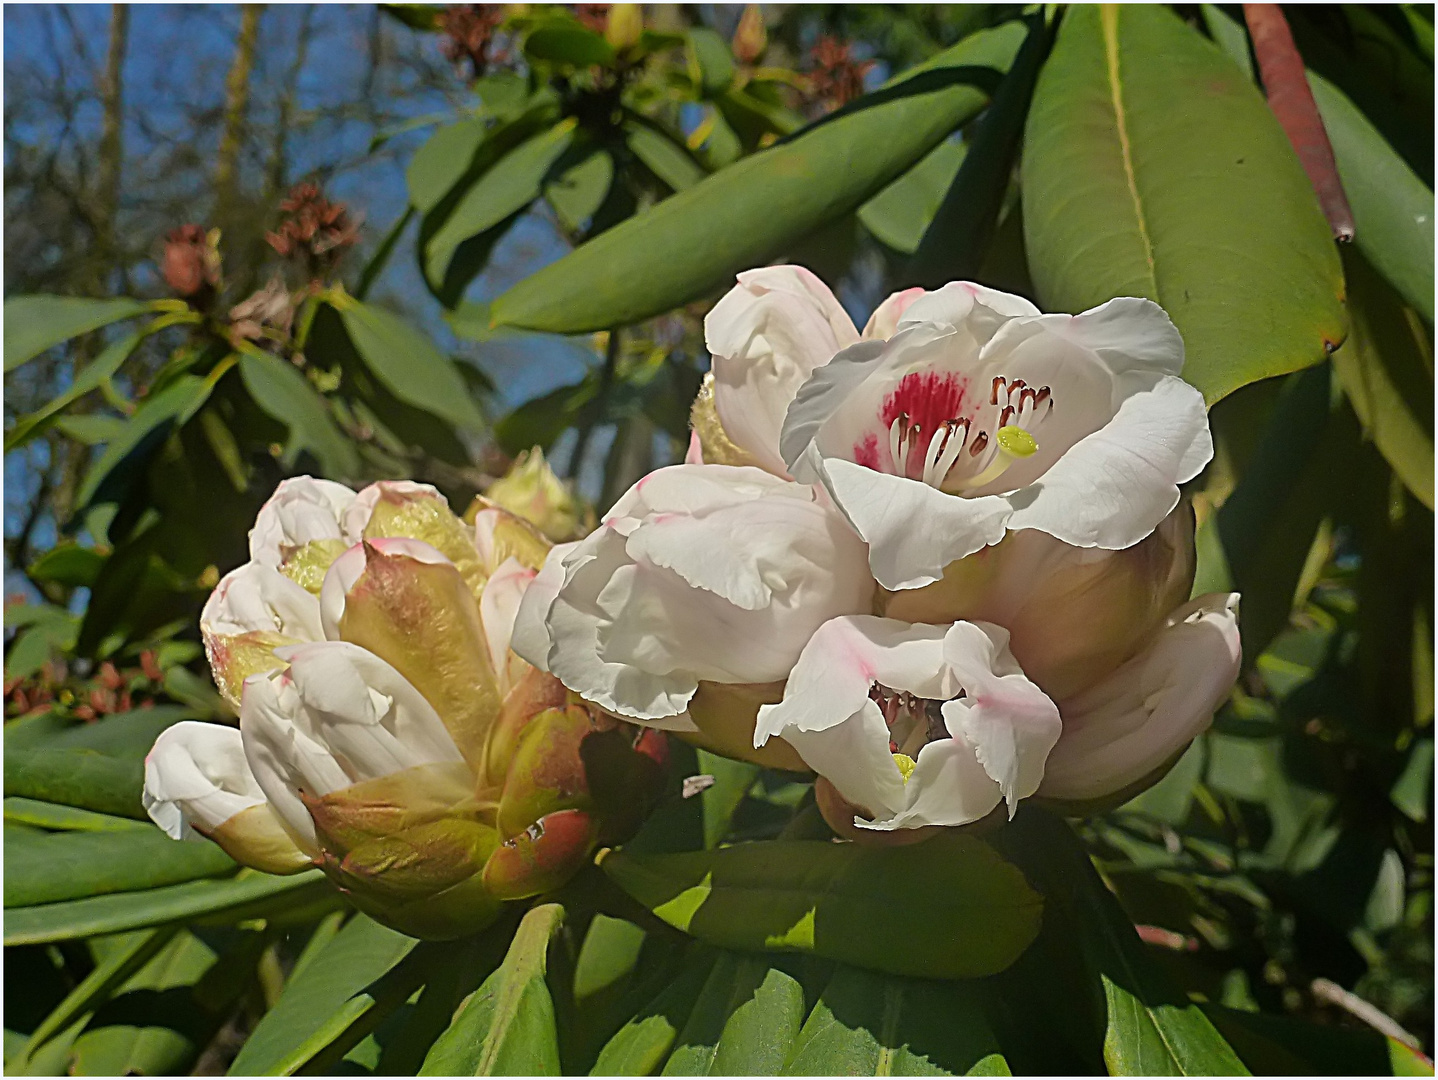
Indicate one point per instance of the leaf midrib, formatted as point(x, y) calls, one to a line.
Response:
point(1108, 18)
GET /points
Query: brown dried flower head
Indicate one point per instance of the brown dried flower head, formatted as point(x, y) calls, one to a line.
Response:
point(313, 229)
point(468, 31)
point(835, 76)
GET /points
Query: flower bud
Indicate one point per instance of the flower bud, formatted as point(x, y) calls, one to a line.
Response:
point(624, 26)
point(542, 857)
point(400, 508)
point(299, 530)
point(196, 778)
point(750, 37)
point(500, 535)
point(1073, 614)
point(532, 491)
point(546, 772)
point(253, 611)
point(405, 602)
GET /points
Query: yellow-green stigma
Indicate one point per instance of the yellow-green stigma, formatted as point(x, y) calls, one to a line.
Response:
point(1016, 442)
point(906, 765)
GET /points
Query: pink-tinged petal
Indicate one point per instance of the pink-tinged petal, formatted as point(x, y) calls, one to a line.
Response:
point(947, 787)
point(853, 755)
point(196, 774)
point(345, 571)
point(695, 454)
point(530, 637)
point(498, 609)
point(301, 510)
point(979, 310)
point(884, 323)
point(1009, 722)
point(765, 336)
point(1145, 713)
point(357, 515)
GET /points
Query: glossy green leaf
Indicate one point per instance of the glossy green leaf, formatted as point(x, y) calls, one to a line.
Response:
point(694, 242)
point(1283, 1045)
point(899, 214)
point(68, 564)
point(569, 44)
point(507, 1026)
point(71, 865)
point(1386, 369)
point(247, 895)
point(282, 391)
point(1152, 167)
point(335, 988)
point(442, 162)
point(643, 1043)
point(580, 190)
point(610, 950)
point(89, 378)
point(969, 912)
point(504, 189)
point(36, 323)
point(1149, 1027)
point(46, 815)
point(746, 1018)
point(1229, 35)
point(664, 157)
point(866, 1024)
point(711, 64)
point(96, 766)
point(407, 363)
point(732, 781)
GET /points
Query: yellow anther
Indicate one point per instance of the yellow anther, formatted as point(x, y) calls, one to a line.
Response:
point(1016, 442)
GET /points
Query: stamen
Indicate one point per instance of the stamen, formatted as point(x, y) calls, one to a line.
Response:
point(994, 396)
point(898, 437)
point(935, 450)
point(1006, 415)
point(952, 449)
point(981, 440)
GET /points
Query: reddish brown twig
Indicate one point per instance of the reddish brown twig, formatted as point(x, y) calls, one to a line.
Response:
point(1292, 102)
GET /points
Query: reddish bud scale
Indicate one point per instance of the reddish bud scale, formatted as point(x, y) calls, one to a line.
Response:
point(541, 858)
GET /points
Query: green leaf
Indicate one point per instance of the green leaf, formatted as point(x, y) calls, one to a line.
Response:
point(334, 990)
point(280, 390)
point(732, 781)
point(36, 323)
point(1149, 1028)
point(711, 64)
point(579, 191)
point(94, 373)
point(694, 242)
point(969, 912)
point(1229, 35)
point(442, 162)
point(504, 189)
point(1283, 1045)
point(92, 766)
point(743, 1024)
point(68, 564)
point(407, 363)
point(248, 895)
point(71, 865)
point(1385, 368)
point(128, 955)
point(1153, 168)
point(174, 404)
point(642, 1044)
point(507, 1026)
point(45, 815)
point(568, 43)
point(867, 1024)
point(899, 214)
point(664, 157)
point(610, 951)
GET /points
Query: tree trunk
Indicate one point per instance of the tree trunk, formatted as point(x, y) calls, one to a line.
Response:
point(237, 99)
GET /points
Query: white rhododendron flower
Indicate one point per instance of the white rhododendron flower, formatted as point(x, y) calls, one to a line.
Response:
point(962, 413)
point(915, 724)
point(1136, 721)
point(699, 573)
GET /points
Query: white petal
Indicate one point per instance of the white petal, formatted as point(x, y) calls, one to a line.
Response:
point(913, 530)
point(947, 787)
point(284, 759)
point(1121, 730)
point(364, 711)
point(1112, 488)
point(820, 397)
point(765, 336)
point(965, 305)
point(258, 597)
point(196, 773)
point(884, 323)
point(1127, 334)
point(853, 755)
point(498, 609)
point(340, 578)
point(302, 509)
point(1008, 721)
point(530, 637)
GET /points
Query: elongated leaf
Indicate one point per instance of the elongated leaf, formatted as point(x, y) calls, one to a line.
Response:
point(643, 1043)
point(1152, 167)
point(68, 564)
point(970, 912)
point(693, 242)
point(874, 1025)
point(610, 951)
point(1149, 1028)
point(743, 1024)
point(47, 815)
point(578, 192)
point(1278, 1045)
point(405, 361)
point(1392, 208)
point(899, 214)
point(506, 188)
point(442, 161)
point(332, 991)
point(93, 374)
point(244, 896)
point(70, 865)
point(280, 389)
point(128, 955)
point(36, 323)
point(664, 157)
point(568, 43)
point(732, 781)
point(507, 1027)
point(1385, 368)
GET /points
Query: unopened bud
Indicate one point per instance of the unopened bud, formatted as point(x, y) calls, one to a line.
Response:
point(750, 38)
point(400, 508)
point(547, 771)
point(542, 857)
point(532, 491)
point(624, 26)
